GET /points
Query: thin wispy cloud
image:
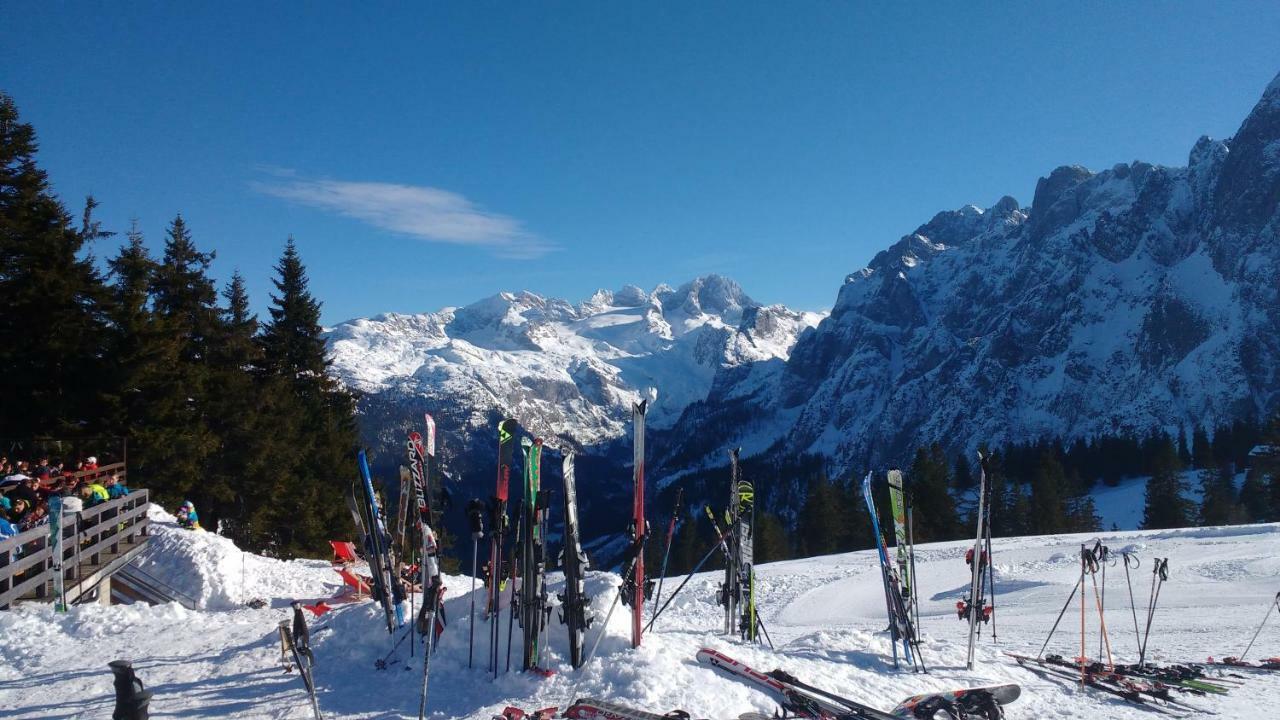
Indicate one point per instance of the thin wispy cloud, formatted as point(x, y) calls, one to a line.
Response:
point(418, 211)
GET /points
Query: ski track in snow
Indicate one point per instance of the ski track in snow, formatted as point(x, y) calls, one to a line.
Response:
point(825, 616)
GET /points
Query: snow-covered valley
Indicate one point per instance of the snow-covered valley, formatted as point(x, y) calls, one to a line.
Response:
point(825, 616)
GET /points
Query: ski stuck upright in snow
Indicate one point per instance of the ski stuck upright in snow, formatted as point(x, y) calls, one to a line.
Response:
point(901, 624)
point(507, 430)
point(573, 561)
point(430, 621)
point(974, 607)
point(636, 587)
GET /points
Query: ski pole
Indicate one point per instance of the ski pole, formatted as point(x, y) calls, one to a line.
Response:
point(1159, 574)
point(1137, 636)
point(991, 569)
point(511, 619)
point(1084, 562)
point(719, 545)
point(1274, 604)
point(1102, 600)
point(1100, 550)
point(671, 529)
point(382, 664)
point(1061, 614)
point(764, 631)
point(475, 512)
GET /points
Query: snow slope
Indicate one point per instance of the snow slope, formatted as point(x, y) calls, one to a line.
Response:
point(825, 616)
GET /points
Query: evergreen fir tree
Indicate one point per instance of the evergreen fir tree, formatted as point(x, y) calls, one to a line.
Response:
point(1005, 521)
point(1202, 450)
point(1082, 514)
point(1165, 506)
point(1255, 495)
point(138, 354)
point(962, 476)
point(1184, 452)
point(176, 443)
point(1048, 502)
point(934, 508)
point(770, 537)
point(291, 341)
point(245, 461)
point(1268, 465)
point(53, 322)
point(317, 464)
point(684, 549)
point(820, 527)
point(1218, 505)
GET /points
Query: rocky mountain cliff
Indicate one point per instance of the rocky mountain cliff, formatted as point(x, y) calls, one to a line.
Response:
point(1134, 298)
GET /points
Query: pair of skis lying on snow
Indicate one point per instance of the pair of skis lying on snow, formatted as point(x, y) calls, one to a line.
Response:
point(1138, 684)
point(801, 700)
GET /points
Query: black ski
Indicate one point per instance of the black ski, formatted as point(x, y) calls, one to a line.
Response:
point(1111, 683)
point(574, 600)
point(744, 554)
point(498, 506)
point(299, 642)
point(533, 600)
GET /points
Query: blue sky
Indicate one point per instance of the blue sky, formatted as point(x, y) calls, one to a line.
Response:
point(430, 154)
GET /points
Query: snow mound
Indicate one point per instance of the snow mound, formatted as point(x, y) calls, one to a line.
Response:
point(218, 575)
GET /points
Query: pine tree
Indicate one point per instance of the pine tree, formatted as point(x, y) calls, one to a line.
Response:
point(316, 465)
point(1218, 504)
point(176, 443)
point(1202, 450)
point(1267, 463)
point(245, 461)
point(1048, 501)
point(138, 353)
point(292, 346)
point(1082, 514)
point(770, 537)
point(1184, 452)
point(684, 549)
point(1255, 497)
point(53, 322)
point(1165, 506)
point(820, 527)
point(933, 507)
point(962, 476)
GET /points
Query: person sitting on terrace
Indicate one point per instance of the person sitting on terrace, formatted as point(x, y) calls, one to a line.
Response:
point(115, 486)
point(7, 528)
point(93, 494)
point(187, 517)
point(38, 515)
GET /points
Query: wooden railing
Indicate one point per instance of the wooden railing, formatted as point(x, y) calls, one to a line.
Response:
point(95, 543)
point(101, 472)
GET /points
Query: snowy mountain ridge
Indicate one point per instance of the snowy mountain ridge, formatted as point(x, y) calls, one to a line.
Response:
point(1136, 298)
point(567, 371)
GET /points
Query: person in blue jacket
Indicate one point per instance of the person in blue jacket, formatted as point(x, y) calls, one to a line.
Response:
point(187, 516)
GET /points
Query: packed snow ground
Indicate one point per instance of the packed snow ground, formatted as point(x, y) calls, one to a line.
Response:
point(825, 616)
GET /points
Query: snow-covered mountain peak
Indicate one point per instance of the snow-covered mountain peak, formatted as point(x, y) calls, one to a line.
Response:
point(569, 371)
point(709, 295)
